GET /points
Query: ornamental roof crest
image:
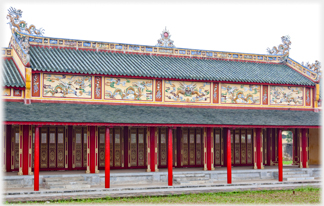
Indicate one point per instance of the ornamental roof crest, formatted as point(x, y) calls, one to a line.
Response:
point(165, 40)
point(283, 49)
point(16, 23)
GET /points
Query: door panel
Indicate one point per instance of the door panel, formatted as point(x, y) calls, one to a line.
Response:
point(243, 146)
point(249, 147)
point(141, 148)
point(77, 148)
point(217, 141)
point(52, 147)
point(44, 148)
point(185, 146)
point(199, 146)
point(60, 147)
point(133, 147)
point(163, 147)
point(102, 137)
point(15, 148)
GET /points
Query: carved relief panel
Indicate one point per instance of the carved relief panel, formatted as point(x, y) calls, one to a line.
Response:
point(128, 89)
point(189, 92)
point(280, 95)
point(240, 94)
point(67, 86)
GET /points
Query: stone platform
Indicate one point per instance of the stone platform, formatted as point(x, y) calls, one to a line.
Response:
point(181, 176)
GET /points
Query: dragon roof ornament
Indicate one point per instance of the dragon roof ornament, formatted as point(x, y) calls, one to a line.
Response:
point(165, 40)
point(16, 23)
point(316, 67)
point(283, 49)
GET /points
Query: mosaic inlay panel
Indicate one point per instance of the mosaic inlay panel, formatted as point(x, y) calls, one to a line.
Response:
point(280, 95)
point(177, 91)
point(128, 89)
point(240, 94)
point(67, 86)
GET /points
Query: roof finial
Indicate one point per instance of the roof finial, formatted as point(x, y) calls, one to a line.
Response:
point(16, 23)
point(165, 40)
point(283, 49)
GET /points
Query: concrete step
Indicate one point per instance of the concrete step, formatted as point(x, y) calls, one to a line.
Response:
point(297, 178)
point(77, 186)
point(67, 183)
point(294, 172)
point(192, 179)
point(194, 182)
point(60, 179)
point(189, 175)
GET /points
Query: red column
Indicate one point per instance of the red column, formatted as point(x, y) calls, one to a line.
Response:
point(36, 160)
point(107, 159)
point(228, 151)
point(8, 148)
point(152, 148)
point(209, 157)
point(280, 174)
point(258, 147)
point(92, 149)
point(170, 174)
point(304, 146)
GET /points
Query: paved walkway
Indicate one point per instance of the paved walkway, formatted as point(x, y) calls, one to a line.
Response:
point(27, 194)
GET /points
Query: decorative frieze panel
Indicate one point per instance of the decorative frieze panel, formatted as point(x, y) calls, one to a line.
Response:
point(308, 100)
point(240, 94)
point(265, 94)
point(292, 96)
point(128, 89)
point(6, 92)
point(187, 92)
point(158, 91)
point(36, 85)
point(215, 93)
point(67, 86)
point(98, 88)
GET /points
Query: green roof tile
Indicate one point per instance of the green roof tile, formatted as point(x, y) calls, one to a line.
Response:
point(11, 76)
point(43, 112)
point(92, 62)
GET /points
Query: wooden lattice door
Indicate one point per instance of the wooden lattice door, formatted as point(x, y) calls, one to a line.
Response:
point(15, 148)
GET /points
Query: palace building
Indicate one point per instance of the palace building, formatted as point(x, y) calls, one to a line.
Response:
point(90, 106)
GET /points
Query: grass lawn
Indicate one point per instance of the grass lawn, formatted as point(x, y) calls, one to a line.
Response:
point(303, 195)
point(287, 162)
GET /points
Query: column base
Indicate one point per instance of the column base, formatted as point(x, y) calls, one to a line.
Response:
point(87, 171)
point(148, 170)
point(97, 171)
point(20, 173)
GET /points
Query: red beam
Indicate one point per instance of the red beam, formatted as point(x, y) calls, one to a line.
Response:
point(280, 173)
point(155, 125)
point(107, 159)
point(36, 160)
point(229, 161)
point(170, 174)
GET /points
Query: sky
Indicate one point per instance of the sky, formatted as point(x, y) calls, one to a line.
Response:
point(251, 27)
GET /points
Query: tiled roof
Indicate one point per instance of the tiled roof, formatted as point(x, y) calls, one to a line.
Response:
point(89, 113)
point(11, 76)
point(92, 62)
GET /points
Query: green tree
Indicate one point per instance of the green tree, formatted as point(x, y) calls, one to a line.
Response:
point(289, 137)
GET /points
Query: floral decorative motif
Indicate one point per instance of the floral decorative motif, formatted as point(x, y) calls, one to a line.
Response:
point(35, 84)
point(165, 40)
